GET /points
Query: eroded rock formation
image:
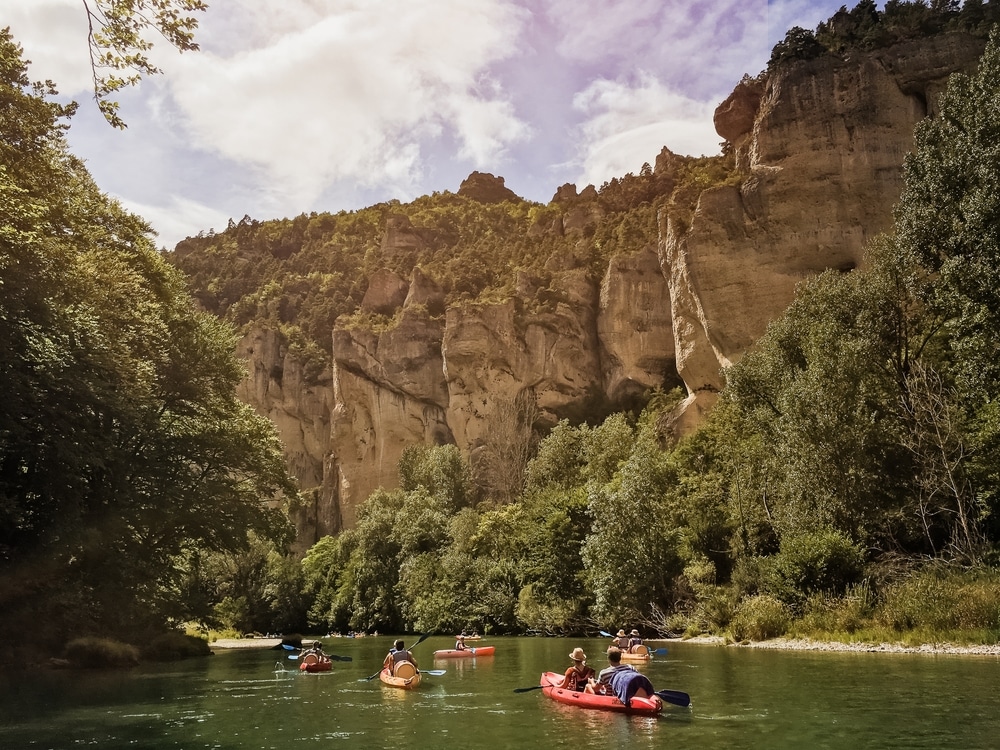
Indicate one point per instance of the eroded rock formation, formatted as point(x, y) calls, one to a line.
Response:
point(819, 147)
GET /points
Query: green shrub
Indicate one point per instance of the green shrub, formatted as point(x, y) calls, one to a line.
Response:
point(943, 599)
point(101, 653)
point(822, 561)
point(759, 618)
point(826, 613)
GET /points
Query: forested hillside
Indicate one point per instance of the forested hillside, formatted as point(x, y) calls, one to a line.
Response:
point(301, 274)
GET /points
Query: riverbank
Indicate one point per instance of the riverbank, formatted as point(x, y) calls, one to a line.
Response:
point(807, 644)
point(245, 643)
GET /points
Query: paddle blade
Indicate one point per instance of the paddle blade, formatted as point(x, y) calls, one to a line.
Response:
point(293, 656)
point(675, 696)
point(288, 647)
point(334, 657)
point(606, 635)
point(434, 672)
point(528, 690)
point(658, 651)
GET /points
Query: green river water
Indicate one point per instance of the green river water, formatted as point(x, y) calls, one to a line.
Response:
point(742, 698)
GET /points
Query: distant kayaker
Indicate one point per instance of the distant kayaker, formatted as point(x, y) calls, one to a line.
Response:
point(397, 654)
point(460, 643)
point(316, 650)
point(620, 641)
point(578, 676)
point(634, 640)
point(623, 680)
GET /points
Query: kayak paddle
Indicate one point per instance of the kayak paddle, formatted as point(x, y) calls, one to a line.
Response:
point(533, 687)
point(675, 696)
point(528, 690)
point(331, 657)
point(433, 672)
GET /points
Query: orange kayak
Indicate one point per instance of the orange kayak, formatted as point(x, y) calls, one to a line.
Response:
point(451, 653)
point(637, 653)
point(641, 706)
point(406, 676)
point(312, 663)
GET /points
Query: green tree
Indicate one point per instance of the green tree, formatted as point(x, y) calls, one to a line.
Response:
point(123, 447)
point(118, 36)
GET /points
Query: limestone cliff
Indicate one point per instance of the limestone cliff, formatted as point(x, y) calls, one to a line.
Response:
point(820, 154)
point(819, 147)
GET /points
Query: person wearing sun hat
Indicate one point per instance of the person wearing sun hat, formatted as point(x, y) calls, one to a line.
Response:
point(634, 640)
point(620, 641)
point(579, 675)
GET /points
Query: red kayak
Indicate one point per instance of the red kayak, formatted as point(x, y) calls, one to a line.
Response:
point(312, 663)
point(451, 653)
point(641, 706)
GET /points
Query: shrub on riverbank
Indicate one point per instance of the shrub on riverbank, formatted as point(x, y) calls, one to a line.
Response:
point(102, 653)
point(942, 599)
point(759, 618)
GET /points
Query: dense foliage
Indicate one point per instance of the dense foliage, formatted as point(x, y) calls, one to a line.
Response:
point(865, 27)
point(123, 448)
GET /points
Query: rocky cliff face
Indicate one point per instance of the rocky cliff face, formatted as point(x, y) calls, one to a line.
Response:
point(819, 148)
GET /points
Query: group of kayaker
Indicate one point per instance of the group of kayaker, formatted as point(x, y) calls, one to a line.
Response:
point(626, 643)
point(621, 680)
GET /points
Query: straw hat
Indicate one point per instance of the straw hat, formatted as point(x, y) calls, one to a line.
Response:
point(578, 654)
point(621, 633)
point(634, 632)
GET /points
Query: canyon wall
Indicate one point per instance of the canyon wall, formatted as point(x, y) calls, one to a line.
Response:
point(819, 147)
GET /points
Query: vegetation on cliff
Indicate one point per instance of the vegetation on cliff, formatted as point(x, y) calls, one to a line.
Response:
point(300, 275)
point(865, 27)
point(124, 451)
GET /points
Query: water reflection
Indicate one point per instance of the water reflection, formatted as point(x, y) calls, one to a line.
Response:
point(742, 698)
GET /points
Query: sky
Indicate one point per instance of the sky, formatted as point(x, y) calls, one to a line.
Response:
point(293, 106)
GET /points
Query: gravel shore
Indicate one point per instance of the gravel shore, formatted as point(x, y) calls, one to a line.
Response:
point(807, 644)
point(245, 643)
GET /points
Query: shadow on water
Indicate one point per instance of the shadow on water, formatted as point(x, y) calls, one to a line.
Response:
point(742, 698)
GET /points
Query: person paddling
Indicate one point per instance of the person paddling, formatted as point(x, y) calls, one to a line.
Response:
point(634, 640)
point(397, 654)
point(578, 676)
point(620, 641)
point(317, 651)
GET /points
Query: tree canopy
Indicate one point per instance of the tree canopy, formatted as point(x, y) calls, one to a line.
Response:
point(123, 447)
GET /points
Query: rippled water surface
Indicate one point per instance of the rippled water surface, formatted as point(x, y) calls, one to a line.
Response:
point(741, 699)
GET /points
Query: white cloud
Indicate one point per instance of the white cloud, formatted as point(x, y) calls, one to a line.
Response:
point(180, 218)
point(628, 125)
point(353, 90)
point(54, 36)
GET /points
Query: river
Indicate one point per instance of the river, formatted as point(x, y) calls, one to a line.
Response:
point(741, 699)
